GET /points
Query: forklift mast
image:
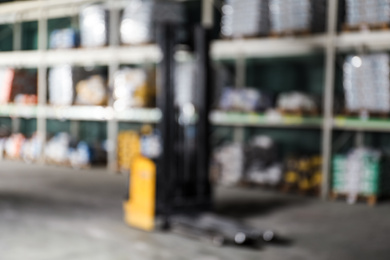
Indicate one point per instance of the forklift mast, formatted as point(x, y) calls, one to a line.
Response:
point(182, 179)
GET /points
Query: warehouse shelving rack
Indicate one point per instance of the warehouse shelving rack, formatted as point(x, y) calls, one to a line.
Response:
point(112, 56)
point(330, 43)
point(239, 50)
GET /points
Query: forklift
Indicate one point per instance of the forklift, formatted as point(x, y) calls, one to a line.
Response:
point(174, 191)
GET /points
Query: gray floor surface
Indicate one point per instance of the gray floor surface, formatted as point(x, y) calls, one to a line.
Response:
point(52, 213)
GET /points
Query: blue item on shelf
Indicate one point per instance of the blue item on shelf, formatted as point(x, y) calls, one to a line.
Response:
point(64, 39)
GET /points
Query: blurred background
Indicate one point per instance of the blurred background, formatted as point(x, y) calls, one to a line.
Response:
point(298, 105)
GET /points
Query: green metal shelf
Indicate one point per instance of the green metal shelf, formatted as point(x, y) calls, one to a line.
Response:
point(360, 124)
point(263, 120)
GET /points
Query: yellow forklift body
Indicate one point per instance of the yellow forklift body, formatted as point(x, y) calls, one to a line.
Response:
point(140, 208)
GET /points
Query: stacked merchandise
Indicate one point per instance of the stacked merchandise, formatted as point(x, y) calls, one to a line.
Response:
point(62, 150)
point(132, 144)
point(367, 12)
point(297, 15)
point(63, 39)
point(296, 102)
point(254, 163)
point(94, 26)
point(92, 91)
point(61, 85)
point(367, 83)
point(261, 165)
point(242, 18)
point(229, 161)
point(303, 174)
point(31, 148)
point(137, 25)
point(137, 22)
point(359, 173)
point(11, 146)
point(6, 78)
point(18, 86)
point(81, 156)
point(91, 87)
point(129, 147)
point(244, 99)
point(57, 149)
point(132, 89)
point(17, 146)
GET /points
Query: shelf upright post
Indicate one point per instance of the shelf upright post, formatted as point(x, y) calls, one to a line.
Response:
point(330, 57)
point(42, 77)
point(207, 13)
point(240, 82)
point(17, 46)
point(113, 66)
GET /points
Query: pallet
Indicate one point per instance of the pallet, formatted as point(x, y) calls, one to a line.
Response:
point(288, 188)
point(254, 185)
point(297, 112)
point(286, 33)
point(369, 114)
point(244, 37)
point(366, 27)
point(371, 200)
point(66, 164)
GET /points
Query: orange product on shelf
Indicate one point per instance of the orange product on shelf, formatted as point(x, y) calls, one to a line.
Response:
point(6, 77)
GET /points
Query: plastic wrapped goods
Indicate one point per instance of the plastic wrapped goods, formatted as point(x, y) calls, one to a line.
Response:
point(63, 39)
point(94, 26)
point(245, 18)
point(297, 15)
point(230, 161)
point(244, 99)
point(80, 156)
point(13, 145)
point(261, 164)
point(289, 15)
point(131, 89)
point(296, 101)
point(57, 148)
point(139, 18)
point(366, 83)
point(91, 91)
point(369, 12)
point(61, 85)
point(31, 149)
point(137, 22)
point(358, 172)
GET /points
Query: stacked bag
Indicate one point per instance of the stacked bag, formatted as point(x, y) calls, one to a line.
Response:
point(367, 83)
point(253, 163)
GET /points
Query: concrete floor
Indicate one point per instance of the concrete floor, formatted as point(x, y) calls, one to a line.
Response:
point(56, 213)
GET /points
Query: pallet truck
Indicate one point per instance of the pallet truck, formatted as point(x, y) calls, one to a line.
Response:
point(174, 192)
